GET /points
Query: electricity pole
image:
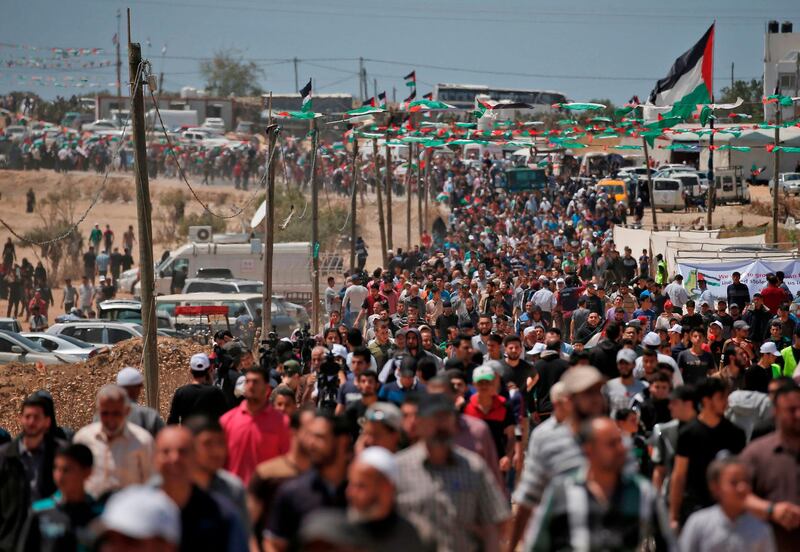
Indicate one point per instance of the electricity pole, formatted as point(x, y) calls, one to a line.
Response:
point(269, 228)
point(408, 195)
point(776, 171)
point(296, 82)
point(353, 197)
point(119, 64)
point(378, 187)
point(143, 214)
point(314, 232)
point(361, 79)
point(388, 195)
point(650, 183)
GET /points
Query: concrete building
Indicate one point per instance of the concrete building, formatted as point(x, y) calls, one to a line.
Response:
point(224, 108)
point(782, 66)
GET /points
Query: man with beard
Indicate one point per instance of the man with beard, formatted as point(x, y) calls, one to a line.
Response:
point(412, 347)
point(603, 356)
point(323, 486)
point(468, 516)
point(479, 342)
point(371, 489)
point(653, 404)
point(620, 391)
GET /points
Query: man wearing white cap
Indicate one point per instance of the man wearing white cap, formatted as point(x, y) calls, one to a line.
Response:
point(199, 397)
point(371, 491)
point(155, 527)
point(652, 341)
point(131, 380)
point(762, 370)
point(560, 452)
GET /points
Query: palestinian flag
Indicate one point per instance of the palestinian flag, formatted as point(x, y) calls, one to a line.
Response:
point(689, 81)
point(305, 93)
point(411, 80)
point(412, 96)
point(428, 96)
point(382, 100)
point(369, 102)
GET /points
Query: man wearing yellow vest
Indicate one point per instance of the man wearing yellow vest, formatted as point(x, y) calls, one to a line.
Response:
point(661, 270)
point(791, 356)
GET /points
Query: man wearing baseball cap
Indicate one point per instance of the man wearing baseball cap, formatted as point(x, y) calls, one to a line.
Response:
point(762, 370)
point(560, 452)
point(131, 380)
point(493, 409)
point(156, 525)
point(199, 397)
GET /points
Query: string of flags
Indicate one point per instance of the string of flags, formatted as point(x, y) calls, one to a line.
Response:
point(56, 51)
point(66, 81)
point(42, 63)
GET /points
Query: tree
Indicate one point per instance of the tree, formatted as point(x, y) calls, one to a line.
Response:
point(228, 74)
point(750, 92)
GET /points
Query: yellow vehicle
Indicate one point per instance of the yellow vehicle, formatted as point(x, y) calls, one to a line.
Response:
point(615, 189)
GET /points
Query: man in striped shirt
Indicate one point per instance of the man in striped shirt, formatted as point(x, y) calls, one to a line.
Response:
point(600, 507)
point(560, 452)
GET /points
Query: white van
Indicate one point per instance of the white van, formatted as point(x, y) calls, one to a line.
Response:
point(668, 194)
point(291, 263)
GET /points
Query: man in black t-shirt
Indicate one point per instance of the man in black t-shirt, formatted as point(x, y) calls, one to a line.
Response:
point(699, 442)
point(695, 363)
point(198, 397)
point(89, 259)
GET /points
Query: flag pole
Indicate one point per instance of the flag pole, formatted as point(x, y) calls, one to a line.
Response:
point(711, 186)
point(649, 182)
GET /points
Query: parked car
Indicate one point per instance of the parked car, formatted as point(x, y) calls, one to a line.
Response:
point(222, 285)
point(17, 348)
point(214, 123)
point(65, 344)
point(130, 311)
point(100, 124)
point(166, 304)
point(128, 279)
point(97, 332)
point(789, 183)
point(10, 325)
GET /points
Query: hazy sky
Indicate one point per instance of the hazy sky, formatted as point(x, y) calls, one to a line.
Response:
point(584, 48)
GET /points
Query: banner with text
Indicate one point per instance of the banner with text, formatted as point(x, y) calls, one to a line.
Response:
point(754, 275)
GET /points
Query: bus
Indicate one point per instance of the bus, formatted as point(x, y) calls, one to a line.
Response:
point(462, 96)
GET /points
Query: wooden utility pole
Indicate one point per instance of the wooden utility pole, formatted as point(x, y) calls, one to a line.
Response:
point(353, 197)
point(711, 186)
point(388, 176)
point(776, 171)
point(408, 194)
point(650, 183)
point(314, 232)
point(119, 66)
point(428, 160)
point(378, 187)
point(419, 193)
point(143, 213)
point(269, 229)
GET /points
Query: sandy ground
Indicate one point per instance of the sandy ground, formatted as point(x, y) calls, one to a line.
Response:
point(121, 213)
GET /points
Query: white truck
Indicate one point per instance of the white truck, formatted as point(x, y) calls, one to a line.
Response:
point(291, 263)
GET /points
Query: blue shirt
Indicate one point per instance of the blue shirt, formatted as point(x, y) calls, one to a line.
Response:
point(392, 392)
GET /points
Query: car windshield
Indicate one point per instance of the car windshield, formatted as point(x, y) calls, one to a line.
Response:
point(251, 288)
point(9, 326)
point(27, 343)
point(793, 176)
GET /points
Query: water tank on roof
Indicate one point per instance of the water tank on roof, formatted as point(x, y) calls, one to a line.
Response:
point(786, 27)
point(773, 26)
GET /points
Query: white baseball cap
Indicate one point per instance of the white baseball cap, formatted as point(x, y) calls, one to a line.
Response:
point(537, 349)
point(142, 512)
point(769, 348)
point(675, 329)
point(339, 350)
point(199, 362)
point(382, 460)
point(651, 340)
point(129, 377)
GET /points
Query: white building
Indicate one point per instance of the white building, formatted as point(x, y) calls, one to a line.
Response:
point(782, 63)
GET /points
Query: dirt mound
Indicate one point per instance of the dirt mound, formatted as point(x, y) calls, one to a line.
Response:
point(74, 386)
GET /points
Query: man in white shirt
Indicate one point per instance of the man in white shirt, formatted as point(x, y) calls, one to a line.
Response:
point(677, 293)
point(353, 300)
point(122, 451)
point(546, 300)
point(85, 295)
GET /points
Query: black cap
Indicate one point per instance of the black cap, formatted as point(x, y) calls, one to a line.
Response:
point(222, 334)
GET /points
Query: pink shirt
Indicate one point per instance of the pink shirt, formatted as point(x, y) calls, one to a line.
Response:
point(254, 439)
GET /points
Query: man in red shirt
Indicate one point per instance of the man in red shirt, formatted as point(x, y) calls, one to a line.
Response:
point(254, 430)
point(493, 409)
point(773, 295)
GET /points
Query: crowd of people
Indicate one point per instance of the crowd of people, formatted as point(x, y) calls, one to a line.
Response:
point(518, 380)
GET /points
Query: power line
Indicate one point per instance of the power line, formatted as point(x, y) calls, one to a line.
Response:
point(238, 210)
point(96, 198)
